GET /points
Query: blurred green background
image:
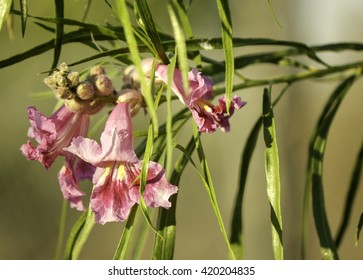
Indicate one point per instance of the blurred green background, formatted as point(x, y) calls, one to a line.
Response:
point(30, 199)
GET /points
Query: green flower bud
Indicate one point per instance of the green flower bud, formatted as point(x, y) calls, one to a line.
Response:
point(85, 90)
point(63, 93)
point(97, 70)
point(73, 79)
point(133, 97)
point(63, 68)
point(103, 85)
point(50, 82)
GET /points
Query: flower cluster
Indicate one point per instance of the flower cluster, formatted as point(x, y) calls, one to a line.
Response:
point(112, 164)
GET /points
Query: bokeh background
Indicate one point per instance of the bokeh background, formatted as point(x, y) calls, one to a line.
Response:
point(30, 199)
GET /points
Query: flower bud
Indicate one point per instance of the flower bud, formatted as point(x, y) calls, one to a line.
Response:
point(73, 79)
point(50, 82)
point(131, 76)
point(75, 105)
point(63, 68)
point(103, 85)
point(133, 97)
point(85, 90)
point(60, 80)
point(63, 93)
point(97, 70)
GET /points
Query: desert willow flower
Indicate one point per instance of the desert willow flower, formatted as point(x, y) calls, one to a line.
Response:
point(117, 177)
point(54, 133)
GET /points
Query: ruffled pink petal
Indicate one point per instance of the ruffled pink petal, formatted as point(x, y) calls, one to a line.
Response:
point(158, 190)
point(111, 200)
point(199, 86)
point(116, 141)
point(74, 171)
point(52, 134)
point(206, 122)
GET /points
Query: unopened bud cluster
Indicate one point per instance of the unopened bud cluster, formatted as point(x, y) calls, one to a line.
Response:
point(80, 96)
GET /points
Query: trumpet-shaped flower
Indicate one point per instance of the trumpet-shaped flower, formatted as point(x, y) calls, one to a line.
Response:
point(53, 134)
point(117, 176)
point(207, 116)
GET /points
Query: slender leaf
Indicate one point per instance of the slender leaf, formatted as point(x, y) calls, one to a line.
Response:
point(135, 56)
point(62, 224)
point(182, 12)
point(273, 13)
point(164, 243)
point(24, 15)
point(82, 235)
point(86, 10)
point(314, 181)
point(5, 6)
point(149, 26)
point(144, 174)
point(112, 32)
point(103, 33)
point(227, 38)
point(59, 30)
point(79, 36)
point(349, 202)
point(359, 228)
point(123, 245)
point(169, 119)
point(236, 237)
point(180, 43)
point(208, 183)
point(74, 235)
point(272, 174)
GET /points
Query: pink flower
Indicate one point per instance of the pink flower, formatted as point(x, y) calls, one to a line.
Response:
point(116, 179)
point(73, 171)
point(207, 116)
point(53, 134)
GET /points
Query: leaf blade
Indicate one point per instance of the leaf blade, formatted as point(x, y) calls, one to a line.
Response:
point(272, 175)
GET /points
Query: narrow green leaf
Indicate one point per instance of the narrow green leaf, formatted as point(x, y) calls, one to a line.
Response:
point(272, 174)
point(82, 235)
point(140, 235)
point(164, 243)
point(208, 183)
point(123, 245)
point(180, 43)
point(59, 29)
point(5, 6)
point(227, 38)
point(273, 13)
point(314, 181)
point(236, 237)
point(79, 36)
point(74, 235)
point(62, 224)
point(113, 32)
point(352, 192)
point(24, 15)
point(144, 175)
point(182, 12)
point(86, 9)
point(146, 159)
point(359, 228)
point(103, 33)
point(149, 26)
point(135, 57)
point(169, 118)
